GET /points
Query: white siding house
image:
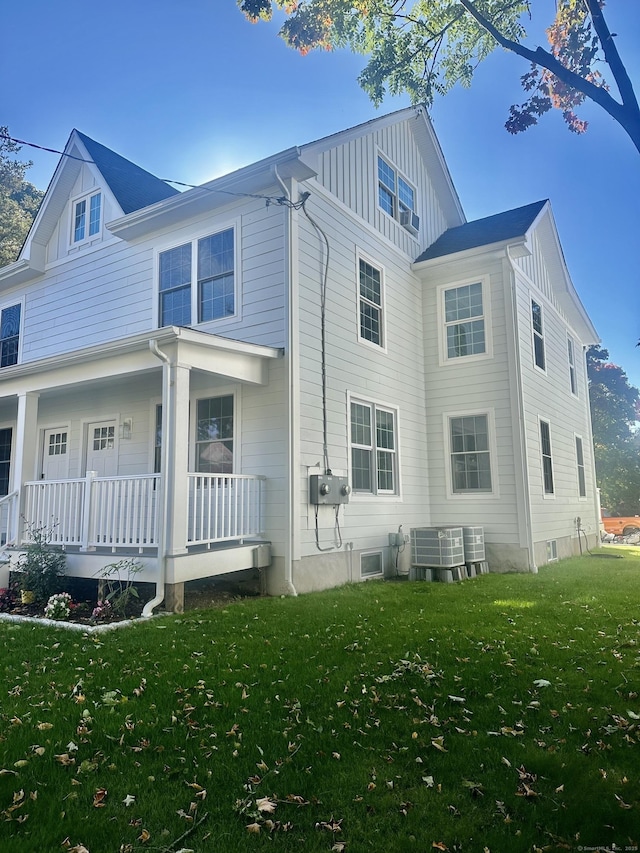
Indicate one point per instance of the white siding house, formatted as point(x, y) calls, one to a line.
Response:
point(182, 373)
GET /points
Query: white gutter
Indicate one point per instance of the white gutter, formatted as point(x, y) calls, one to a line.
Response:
point(292, 388)
point(164, 492)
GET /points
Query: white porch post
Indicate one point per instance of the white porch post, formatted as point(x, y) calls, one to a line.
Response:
point(23, 467)
point(178, 460)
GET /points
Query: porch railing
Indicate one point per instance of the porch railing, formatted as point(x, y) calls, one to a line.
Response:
point(223, 507)
point(124, 512)
point(8, 518)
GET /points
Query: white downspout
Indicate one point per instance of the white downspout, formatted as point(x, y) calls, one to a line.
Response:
point(521, 419)
point(164, 492)
point(292, 389)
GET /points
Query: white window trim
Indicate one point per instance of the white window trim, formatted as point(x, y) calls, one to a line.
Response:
point(209, 394)
point(543, 311)
point(370, 553)
point(193, 240)
point(444, 359)
point(85, 196)
point(548, 496)
point(391, 497)
point(9, 303)
point(573, 365)
point(494, 494)
point(577, 436)
point(399, 174)
point(552, 551)
point(360, 255)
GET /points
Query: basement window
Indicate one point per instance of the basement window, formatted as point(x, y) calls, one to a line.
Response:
point(371, 564)
point(552, 550)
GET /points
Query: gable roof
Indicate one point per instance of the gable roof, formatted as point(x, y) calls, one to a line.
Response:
point(132, 186)
point(483, 232)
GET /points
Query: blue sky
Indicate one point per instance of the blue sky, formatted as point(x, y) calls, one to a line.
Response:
point(189, 90)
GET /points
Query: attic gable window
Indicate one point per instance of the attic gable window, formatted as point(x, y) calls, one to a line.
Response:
point(198, 279)
point(86, 217)
point(395, 195)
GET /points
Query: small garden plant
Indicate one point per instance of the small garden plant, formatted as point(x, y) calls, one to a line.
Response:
point(120, 597)
point(42, 565)
point(59, 606)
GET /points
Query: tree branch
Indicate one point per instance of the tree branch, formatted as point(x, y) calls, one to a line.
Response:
point(547, 60)
point(611, 55)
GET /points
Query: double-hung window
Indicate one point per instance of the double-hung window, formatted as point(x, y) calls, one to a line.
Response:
point(571, 354)
point(214, 435)
point(582, 483)
point(464, 321)
point(547, 460)
point(10, 335)
point(87, 214)
point(470, 454)
point(370, 303)
point(374, 459)
point(197, 279)
point(538, 335)
point(395, 195)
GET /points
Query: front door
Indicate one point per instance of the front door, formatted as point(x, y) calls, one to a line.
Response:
point(55, 455)
point(101, 448)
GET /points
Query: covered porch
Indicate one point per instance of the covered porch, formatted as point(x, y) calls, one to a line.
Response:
point(184, 513)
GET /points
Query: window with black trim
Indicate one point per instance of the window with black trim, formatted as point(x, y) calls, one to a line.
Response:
point(538, 335)
point(370, 303)
point(373, 449)
point(87, 214)
point(197, 279)
point(470, 454)
point(5, 459)
point(547, 459)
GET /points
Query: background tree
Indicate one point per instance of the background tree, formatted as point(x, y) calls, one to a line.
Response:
point(19, 200)
point(425, 47)
point(615, 410)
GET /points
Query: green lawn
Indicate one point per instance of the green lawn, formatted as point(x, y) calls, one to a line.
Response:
point(500, 714)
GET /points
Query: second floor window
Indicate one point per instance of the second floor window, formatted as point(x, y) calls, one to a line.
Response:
point(538, 335)
point(370, 303)
point(464, 321)
point(573, 383)
point(86, 217)
point(9, 335)
point(210, 294)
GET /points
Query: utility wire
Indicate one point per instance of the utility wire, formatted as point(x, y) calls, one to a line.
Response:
point(278, 200)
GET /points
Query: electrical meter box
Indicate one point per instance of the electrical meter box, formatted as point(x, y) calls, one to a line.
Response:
point(328, 489)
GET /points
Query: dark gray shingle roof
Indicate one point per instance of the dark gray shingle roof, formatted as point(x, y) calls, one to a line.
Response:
point(133, 187)
point(482, 232)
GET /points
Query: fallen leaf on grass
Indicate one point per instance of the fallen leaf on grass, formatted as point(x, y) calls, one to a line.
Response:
point(542, 682)
point(129, 800)
point(266, 805)
point(253, 827)
point(99, 798)
point(438, 743)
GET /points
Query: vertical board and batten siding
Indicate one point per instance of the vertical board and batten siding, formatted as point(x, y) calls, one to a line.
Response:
point(350, 172)
point(392, 377)
point(109, 291)
point(462, 386)
point(547, 396)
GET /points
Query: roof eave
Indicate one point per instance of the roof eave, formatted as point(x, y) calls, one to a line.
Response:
point(518, 247)
point(199, 199)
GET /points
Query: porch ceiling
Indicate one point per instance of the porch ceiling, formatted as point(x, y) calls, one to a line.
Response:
point(233, 360)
